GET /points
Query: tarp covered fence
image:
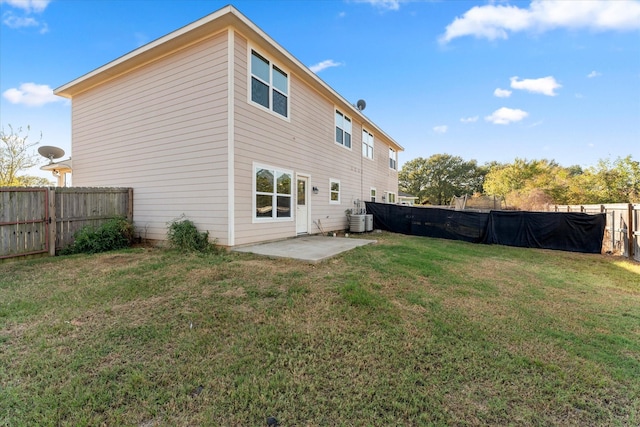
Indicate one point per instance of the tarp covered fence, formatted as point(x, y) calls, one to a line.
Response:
point(575, 232)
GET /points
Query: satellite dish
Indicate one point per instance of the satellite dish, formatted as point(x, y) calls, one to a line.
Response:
point(51, 152)
point(361, 105)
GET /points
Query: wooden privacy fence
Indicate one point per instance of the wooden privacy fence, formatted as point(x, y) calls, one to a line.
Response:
point(622, 232)
point(45, 220)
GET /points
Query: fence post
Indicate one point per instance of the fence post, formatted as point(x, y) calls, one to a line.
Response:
point(630, 240)
point(613, 230)
point(52, 221)
point(130, 208)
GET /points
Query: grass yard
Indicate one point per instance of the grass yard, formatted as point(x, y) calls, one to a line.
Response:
point(409, 331)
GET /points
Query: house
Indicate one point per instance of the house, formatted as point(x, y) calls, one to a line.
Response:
point(220, 123)
point(406, 198)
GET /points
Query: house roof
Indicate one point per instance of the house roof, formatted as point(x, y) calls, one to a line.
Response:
point(195, 32)
point(406, 195)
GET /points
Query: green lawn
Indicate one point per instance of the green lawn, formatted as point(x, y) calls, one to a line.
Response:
point(409, 331)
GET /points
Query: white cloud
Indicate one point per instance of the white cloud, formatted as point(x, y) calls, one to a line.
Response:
point(31, 94)
point(593, 74)
point(545, 85)
point(502, 93)
point(383, 4)
point(13, 21)
point(28, 5)
point(493, 21)
point(504, 116)
point(328, 63)
point(469, 119)
point(441, 129)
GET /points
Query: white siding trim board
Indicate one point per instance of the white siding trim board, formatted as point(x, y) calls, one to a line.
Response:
point(231, 171)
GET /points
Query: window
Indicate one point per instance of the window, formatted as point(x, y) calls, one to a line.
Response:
point(393, 161)
point(334, 186)
point(367, 144)
point(269, 85)
point(391, 197)
point(343, 129)
point(373, 194)
point(272, 193)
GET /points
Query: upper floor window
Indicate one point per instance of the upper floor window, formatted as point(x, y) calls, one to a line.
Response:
point(393, 159)
point(269, 85)
point(367, 144)
point(343, 129)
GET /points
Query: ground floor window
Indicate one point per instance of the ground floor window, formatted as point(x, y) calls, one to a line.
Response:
point(272, 190)
point(373, 194)
point(334, 186)
point(391, 197)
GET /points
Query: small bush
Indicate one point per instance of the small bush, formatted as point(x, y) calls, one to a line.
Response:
point(184, 235)
point(116, 233)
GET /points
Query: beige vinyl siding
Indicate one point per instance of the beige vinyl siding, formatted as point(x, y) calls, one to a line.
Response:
point(161, 129)
point(164, 128)
point(304, 144)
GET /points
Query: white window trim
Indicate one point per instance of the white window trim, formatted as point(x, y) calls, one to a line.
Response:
point(271, 65)
point(373, 189)
point(256, 219)
point(337, 181)
point(335, 125)
point(395, 197)
point(372, 144)
point(395, 158)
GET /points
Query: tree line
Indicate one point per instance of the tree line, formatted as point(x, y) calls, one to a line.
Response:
point(522, 184)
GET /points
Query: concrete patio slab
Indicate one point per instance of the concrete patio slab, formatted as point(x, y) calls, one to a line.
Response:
point(312, 249)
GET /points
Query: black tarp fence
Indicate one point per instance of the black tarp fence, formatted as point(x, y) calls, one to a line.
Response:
point(574, 232)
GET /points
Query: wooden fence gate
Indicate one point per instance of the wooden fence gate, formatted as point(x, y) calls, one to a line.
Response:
point(45, 220)
point(24, 226)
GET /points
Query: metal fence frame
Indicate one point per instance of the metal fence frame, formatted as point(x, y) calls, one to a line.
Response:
point(622, 232)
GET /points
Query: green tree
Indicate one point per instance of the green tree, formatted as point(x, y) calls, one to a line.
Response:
point(440, 177)
point(609, 181)
point(529, 184)
point(16, 155)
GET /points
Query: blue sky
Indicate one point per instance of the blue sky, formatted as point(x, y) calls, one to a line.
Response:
point(484, 80)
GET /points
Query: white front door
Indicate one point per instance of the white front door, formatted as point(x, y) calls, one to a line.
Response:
point(302, 205)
